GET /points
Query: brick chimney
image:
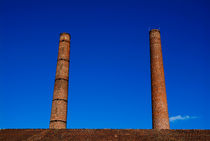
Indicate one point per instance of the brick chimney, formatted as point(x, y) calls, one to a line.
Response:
point(160, 118)
point(60, 94)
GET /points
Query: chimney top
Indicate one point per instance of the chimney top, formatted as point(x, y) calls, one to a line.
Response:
point(158, 30)
point(65, 36)
point(65, 33)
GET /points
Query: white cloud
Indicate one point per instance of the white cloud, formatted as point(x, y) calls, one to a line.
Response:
point(179, 117)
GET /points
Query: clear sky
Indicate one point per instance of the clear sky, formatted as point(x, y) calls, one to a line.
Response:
point(110, 65)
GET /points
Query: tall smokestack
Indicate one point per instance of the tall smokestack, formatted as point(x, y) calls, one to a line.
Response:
point(160, 118)
point(60, 94)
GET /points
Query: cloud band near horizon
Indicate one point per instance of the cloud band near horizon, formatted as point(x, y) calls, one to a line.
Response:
point(179, 117)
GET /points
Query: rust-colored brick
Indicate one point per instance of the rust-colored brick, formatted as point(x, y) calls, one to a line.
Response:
point(60, 95)
point(160, 118)
point(103, 135)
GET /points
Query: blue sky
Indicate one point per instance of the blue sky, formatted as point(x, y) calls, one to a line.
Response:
point(109, 68)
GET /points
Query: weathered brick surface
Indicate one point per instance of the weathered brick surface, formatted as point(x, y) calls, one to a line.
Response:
point(60, 94)
point(59, 108)
point(160, 118)
point(103, 135)
point(60, 89)
point(62, 69)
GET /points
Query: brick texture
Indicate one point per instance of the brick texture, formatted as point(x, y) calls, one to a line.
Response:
point(103, 135)
point(160, 118)
point(60, 94)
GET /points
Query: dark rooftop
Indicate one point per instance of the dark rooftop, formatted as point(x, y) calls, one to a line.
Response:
point(102, 134)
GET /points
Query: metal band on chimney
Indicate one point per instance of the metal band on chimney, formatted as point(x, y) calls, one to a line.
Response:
point(64, 41)
point(58, 121)
point(60, 99)
point(62, 59)
point(61, 79)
